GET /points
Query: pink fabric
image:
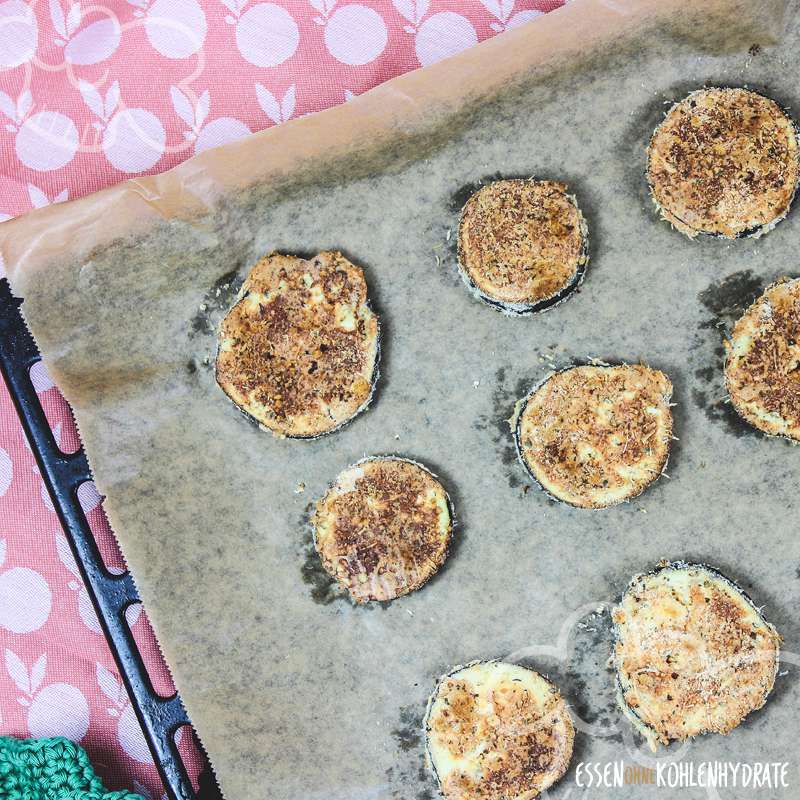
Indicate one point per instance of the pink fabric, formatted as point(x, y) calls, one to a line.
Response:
point(91, 94)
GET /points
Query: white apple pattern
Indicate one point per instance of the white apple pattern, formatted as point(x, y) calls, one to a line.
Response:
point(85, 608)
point(175, 28)
point(89, 44)
point(194, 113)
point(44, 140)
point(129, 732)
point(502, 10)
point(40, 377)
point(6, 471)
point(266, 33)
point(39, 200)
point(277, 110)
point(25, 599)
point(133, 139)
point(442, 35)
point(19, 34)
point(58, 709)
point(446, 33)
point(220, 131)
point(355, 34)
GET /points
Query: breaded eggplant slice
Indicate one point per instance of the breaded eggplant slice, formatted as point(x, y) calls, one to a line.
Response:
point(724, 162)
point(299, 351)
point(762, 370)
point(522, 244)
point(497, 731)
point(594, 436)
point(692, 653)
point(383, 528)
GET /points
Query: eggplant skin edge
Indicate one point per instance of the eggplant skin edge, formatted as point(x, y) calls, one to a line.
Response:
point(636, 721)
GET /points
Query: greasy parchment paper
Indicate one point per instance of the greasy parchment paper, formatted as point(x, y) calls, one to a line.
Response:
point(296, 693)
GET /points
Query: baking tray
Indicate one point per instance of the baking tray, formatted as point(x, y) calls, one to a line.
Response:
point(124, 290)
point(111, 594)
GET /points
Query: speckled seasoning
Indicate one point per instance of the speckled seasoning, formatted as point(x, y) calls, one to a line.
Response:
point(724, 162)
point(522, 244)
point(693, 654)
point(497, 731)
point(383, 528)
point(762, 370)
point(298, 352)
point(596, 435)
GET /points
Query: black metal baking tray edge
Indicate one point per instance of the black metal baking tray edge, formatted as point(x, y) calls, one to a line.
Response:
point(110, 594)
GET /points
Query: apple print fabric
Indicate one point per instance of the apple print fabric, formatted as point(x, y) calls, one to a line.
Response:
point(92, 94)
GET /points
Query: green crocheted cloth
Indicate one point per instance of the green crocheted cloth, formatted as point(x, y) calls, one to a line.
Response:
point(50, 769)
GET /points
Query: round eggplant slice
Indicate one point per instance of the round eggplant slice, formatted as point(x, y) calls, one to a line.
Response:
point(762, 370)
point(724, 162)
point(692, 653)
point(299, 350)
point(497, 731)
point(522, 244)
point(594, 436)
point(383, 529)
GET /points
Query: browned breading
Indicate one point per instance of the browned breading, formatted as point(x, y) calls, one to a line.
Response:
point(762, 370)
point(521, 242)
point(497, 732)
point(724, 162)
point(594, 436)
point(383, 529)
point(693, 655)
point(298, 352)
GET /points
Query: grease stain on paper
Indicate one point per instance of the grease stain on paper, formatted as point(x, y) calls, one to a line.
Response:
point(724, 301)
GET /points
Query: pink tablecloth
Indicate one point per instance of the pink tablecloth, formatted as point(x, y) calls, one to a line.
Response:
point(91, 94)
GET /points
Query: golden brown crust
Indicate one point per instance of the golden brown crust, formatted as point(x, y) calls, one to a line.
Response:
point(497, 731)
point(693, 655)
point(521, 242)
point(762, 371)
point(383, 529)
point(298, 352)
point(594, 436)
point(724, 162)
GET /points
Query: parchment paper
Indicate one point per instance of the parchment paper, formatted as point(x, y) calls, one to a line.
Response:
point(296, 693)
